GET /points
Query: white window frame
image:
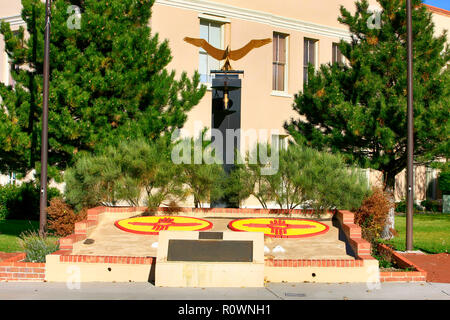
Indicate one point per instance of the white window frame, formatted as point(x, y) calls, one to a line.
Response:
point(316, 55)
point(284, 92)
point(332, 49)
point(217, 20)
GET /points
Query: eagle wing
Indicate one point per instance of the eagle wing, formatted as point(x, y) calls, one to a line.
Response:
point(240, 53)
point(217, 54)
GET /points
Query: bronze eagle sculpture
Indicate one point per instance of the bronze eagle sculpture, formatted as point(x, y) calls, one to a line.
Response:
point(227, 54)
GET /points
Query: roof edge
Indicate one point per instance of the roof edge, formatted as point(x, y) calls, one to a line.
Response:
point(437, 10)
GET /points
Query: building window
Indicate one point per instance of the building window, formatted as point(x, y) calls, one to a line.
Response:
point(212, 32)
point(279, 62)
point(309, 56)
point(12, 178)
point(337, 55)
point(431, 183)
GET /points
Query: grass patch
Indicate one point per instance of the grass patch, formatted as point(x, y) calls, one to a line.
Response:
point(10, 231)
point(431, 233)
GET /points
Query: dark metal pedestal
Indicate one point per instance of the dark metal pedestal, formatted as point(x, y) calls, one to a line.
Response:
point(227, 118)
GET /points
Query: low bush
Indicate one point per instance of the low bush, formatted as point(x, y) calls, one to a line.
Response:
point(302, 177)
point(432, 205)
point(124, 173)
point(371, 215)
point(37, 247)
point(21, 202)
point(401, 207)
point(62, 217)
point(444, 181)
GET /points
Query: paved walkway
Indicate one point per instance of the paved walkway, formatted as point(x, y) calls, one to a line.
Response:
point(437, 266)
point(272, 291)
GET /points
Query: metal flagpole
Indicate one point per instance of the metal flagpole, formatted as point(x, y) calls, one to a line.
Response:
point(410, 142)
point(44, 144)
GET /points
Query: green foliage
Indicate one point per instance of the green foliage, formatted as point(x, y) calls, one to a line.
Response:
point(108, 82)
point(304, 177)
point(147, 166)
point(121, 173)
point(359, 109)
point(246, 180)
point(444, 181)
point(431, 233)
point(10, 231)
point(87, 182)
point(401, 206)
point(431, 205)
point(125, 171)
point(205, 181)
point(383, 261)
point(37, 247)
point(21, 202)
point(320, 178)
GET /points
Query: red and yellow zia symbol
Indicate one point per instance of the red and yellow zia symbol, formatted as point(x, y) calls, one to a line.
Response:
point(280, 228)
point(154, 224)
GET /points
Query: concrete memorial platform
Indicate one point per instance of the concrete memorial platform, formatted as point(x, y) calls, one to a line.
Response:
point(330, 248)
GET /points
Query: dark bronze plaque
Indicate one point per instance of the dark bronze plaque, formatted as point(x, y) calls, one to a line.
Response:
point(210, 235)
point(210, 250)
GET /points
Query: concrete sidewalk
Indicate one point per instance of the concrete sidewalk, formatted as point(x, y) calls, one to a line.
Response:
point(272, 291)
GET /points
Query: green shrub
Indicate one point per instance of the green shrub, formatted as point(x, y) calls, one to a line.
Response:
point(306, 177)
point(401, 206)
point(92, 181)
point(122, 172)
point(204, 180)
point(431, 205)
point(21, 202)
point(444, 182)
point(37, 247)
point(247, 179)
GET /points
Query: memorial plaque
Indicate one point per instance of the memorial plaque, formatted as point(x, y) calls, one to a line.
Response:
point(210, 250)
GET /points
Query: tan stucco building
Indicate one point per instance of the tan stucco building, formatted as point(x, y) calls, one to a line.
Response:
point(302, 31)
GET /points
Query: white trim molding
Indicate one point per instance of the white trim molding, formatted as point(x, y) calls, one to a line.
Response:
point(284, 94)
point(13, 20)
point(219, 9)
point(213, 18)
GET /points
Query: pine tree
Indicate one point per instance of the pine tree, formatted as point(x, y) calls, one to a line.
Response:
point(359, 108)
point(108, 82)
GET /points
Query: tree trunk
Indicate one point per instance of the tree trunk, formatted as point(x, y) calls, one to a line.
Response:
point(389, 225)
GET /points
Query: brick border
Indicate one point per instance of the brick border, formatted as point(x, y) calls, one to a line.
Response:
point(12, 269)
point(419, 275)
point(321, 263)
point(13, 256)
point(107, 259)
point(360, 246)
